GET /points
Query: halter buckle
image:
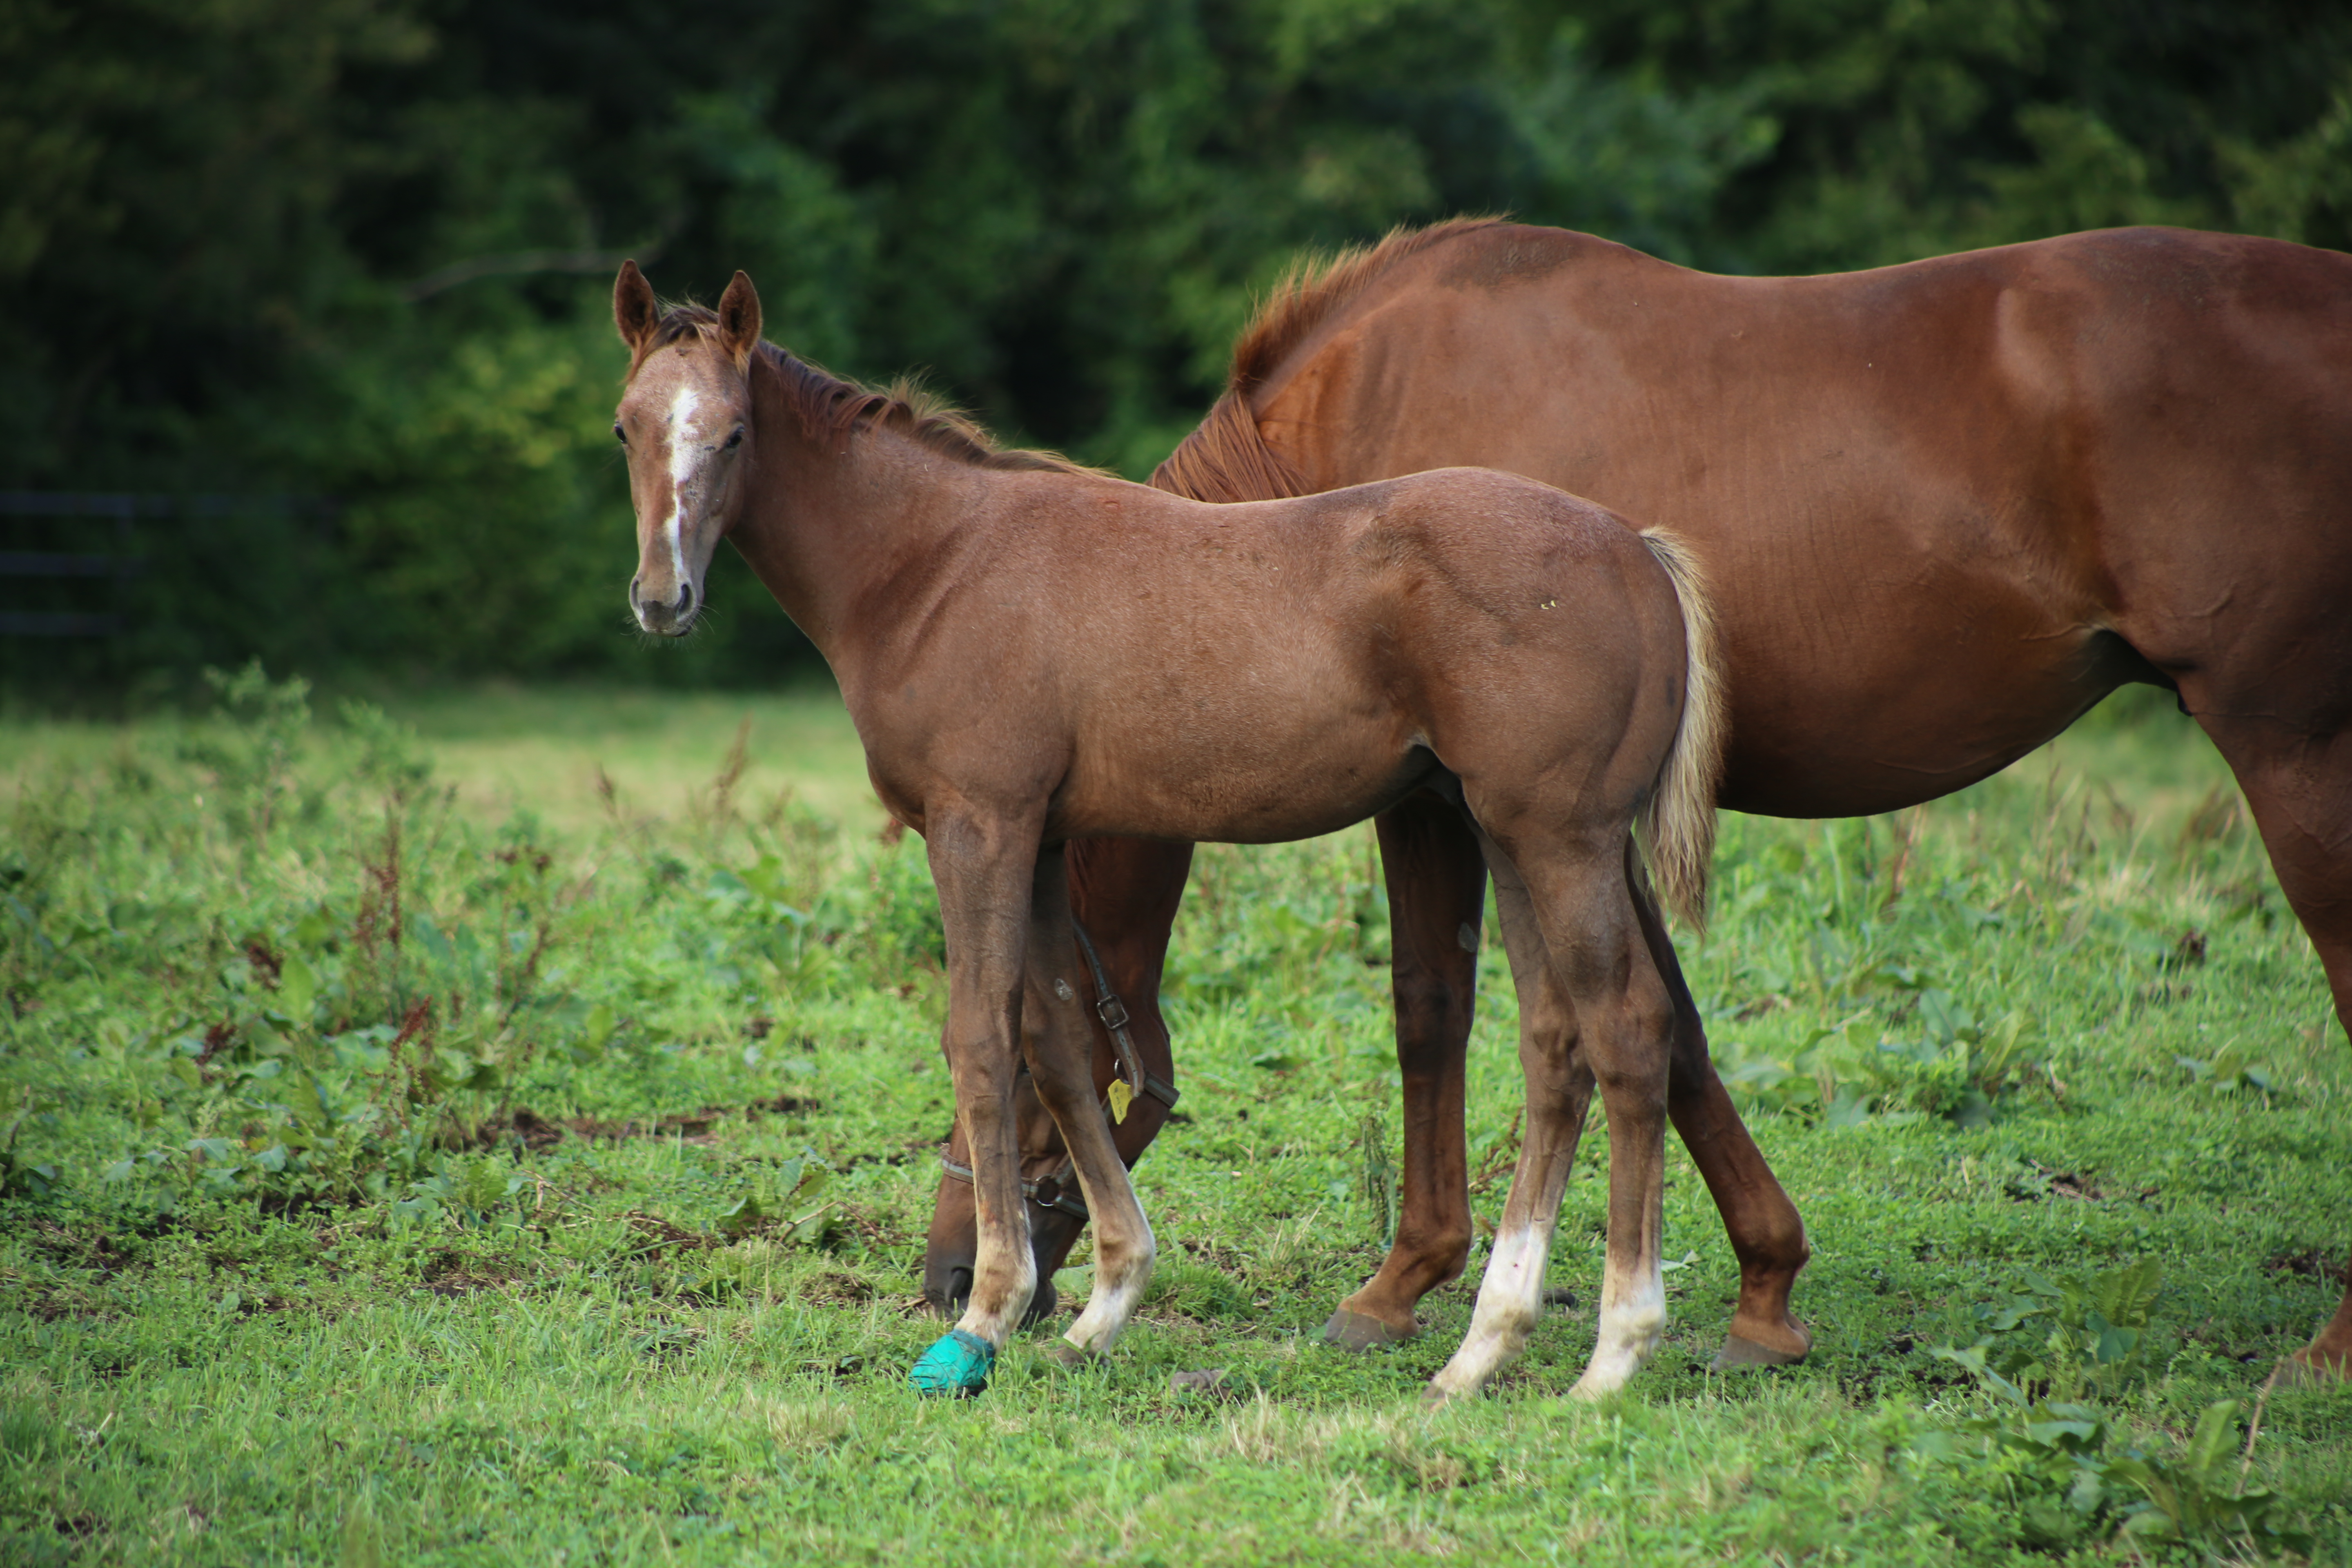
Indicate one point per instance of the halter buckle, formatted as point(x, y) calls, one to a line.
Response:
point(1056, 1193)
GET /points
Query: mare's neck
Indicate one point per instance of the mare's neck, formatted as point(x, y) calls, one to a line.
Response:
point(851, 534)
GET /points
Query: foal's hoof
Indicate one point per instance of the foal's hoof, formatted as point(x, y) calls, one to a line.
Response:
point(1356, 1332)
point(1738, 1351)
point(956, 1366)
point(1070, 1357)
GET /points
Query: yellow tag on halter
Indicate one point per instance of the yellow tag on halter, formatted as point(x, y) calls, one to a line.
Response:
point(1122, 1097)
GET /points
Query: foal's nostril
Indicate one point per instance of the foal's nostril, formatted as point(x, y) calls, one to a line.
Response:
point(685, 598)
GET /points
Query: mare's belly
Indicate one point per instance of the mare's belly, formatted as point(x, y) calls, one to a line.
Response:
point(1890, 722)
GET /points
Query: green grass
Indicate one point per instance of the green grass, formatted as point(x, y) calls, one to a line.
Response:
point(481, 1248)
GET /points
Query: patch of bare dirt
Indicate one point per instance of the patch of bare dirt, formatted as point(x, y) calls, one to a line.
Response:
point(837, 1289)
point(2311, 1263)
point(454, 1273)
point(95, 1250)
point(661, 1233)
point(2070, 1184)
point(534, 1131)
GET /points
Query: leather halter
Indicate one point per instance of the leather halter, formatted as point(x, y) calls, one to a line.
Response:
point(1058, 1190)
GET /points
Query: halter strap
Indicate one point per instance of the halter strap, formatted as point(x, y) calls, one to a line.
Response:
point(1057, 1190)
point(1124, 1059)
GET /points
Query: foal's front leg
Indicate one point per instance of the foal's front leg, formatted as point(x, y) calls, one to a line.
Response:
point(981, 865)
point(1060, 1047)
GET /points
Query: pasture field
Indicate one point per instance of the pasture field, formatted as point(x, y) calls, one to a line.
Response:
point(502, 1132)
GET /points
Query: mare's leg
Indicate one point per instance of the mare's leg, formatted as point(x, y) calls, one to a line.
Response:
point(2299, 785)
point(1127, 891)
point(1767, 1235)
point(1559, 1090)
point(1059, 1047)
point(982, 865)
point(1437, 895)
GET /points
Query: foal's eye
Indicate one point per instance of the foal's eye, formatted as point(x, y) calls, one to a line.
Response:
point(620, 435)
point(735, 440)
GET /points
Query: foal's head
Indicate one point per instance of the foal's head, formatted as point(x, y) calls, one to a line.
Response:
point(686, 419)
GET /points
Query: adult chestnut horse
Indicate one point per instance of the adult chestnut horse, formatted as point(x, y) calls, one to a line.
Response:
point(1945, 508)
point(1034, 653)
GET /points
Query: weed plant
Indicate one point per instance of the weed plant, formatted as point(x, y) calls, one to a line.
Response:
point(391, 1179)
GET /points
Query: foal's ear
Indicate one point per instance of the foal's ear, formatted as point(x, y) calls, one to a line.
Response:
point(739, 318)
point(634, 310)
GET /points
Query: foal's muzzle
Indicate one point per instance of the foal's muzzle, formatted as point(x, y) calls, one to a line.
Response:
point(667, 620)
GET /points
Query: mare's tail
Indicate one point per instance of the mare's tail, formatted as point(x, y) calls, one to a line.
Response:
point(1678, 823)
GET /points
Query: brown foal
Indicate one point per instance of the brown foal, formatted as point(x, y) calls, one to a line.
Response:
point(1945, 508)
point(1034, 653)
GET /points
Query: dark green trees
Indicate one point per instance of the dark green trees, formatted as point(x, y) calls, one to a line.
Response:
point(360, 249)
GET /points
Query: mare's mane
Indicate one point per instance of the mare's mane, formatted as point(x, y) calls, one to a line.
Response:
point(830, 406)
point(1227, 459)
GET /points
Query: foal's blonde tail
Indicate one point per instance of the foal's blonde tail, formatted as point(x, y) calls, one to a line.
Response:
point(1678, 823)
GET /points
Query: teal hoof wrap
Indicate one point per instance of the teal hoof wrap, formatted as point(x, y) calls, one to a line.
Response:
point(959, 1363)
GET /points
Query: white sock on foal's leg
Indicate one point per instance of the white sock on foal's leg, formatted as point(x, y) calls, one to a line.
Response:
point(1120, 1282)
point(1510, 1301)
point(1632, 1320)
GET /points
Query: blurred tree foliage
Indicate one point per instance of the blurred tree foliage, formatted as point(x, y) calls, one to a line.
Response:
point(361, 248)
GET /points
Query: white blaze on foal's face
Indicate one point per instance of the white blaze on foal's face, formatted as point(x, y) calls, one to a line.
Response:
point(684, 438)
point(684, 426)
point(686, 420)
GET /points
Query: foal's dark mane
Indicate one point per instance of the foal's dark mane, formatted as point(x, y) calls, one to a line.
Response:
point(830, 406)
point(1226, 459)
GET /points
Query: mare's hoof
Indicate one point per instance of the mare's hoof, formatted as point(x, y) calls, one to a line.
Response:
point(2304, 1370)
point(1739, 1350)
point(1074, 1358)
point(1356, 1332)
point(956, 1366)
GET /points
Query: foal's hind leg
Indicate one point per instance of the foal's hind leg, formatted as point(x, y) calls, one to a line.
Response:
point(1558, 1092)
point(1437, 897)
point(1060, 1048)
point(1606, 970)
point(1621, 1017)
point(1767, 1235)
